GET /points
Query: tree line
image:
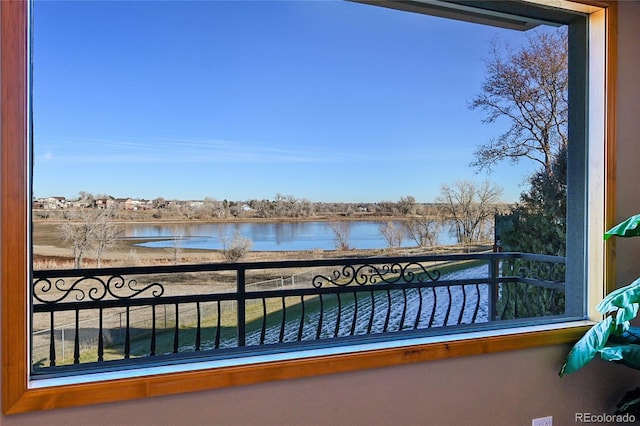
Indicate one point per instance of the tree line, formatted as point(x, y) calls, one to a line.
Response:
point(280, 207)
point(465, 207)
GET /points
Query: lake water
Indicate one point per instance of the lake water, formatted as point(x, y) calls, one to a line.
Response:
point(275, 236)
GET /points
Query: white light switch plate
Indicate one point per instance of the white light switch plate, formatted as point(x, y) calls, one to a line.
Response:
point(542, 421)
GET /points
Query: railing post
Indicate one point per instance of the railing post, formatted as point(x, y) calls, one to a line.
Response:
point(241, 307)
point(494, 271)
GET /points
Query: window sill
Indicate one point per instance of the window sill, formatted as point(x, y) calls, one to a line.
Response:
point(157, 381)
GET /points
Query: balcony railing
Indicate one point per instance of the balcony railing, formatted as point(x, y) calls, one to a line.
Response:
point(94, 318)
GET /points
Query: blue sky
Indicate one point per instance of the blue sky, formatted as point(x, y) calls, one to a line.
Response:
point(324, 100)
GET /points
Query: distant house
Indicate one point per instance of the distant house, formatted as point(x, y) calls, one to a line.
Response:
point(125, 203)
point(145, 204)
point(135, 204)
point(54, 203)
point(103, 203)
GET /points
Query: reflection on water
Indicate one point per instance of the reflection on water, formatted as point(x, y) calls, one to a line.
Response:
point(266, 236)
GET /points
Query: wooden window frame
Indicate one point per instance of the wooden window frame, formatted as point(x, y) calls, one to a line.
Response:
point(17, 394)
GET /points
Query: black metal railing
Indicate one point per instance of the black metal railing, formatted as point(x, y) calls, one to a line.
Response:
point(91, 317)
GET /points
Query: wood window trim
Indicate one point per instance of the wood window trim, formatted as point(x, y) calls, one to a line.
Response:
point(17, 397)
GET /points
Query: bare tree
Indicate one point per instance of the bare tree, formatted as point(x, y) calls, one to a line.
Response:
point(341, 234)
point(77, 231)
point(392, 234)
point(106, 233)
point(86, 198)
point(89, 229)
point(469, 206)
point(177, 238)
point(387, 208)
point(279, 205)
point(159, 203)
point(424, 229)
point(306, 208)
point(407, 205)
point(528, 87)
point(211, 207)
point(237, 247)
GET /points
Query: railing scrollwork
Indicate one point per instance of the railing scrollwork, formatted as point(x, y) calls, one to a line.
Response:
point(46, 290)
point(371, 274)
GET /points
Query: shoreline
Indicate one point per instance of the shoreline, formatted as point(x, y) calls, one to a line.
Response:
point(49, 252)
point(51, 257)
point(142, 221)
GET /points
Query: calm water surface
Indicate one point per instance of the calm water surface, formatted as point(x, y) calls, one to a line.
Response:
point(280, 236)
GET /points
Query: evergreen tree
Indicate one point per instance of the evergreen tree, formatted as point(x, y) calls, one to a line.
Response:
point(538, 222)
point(536, 225)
